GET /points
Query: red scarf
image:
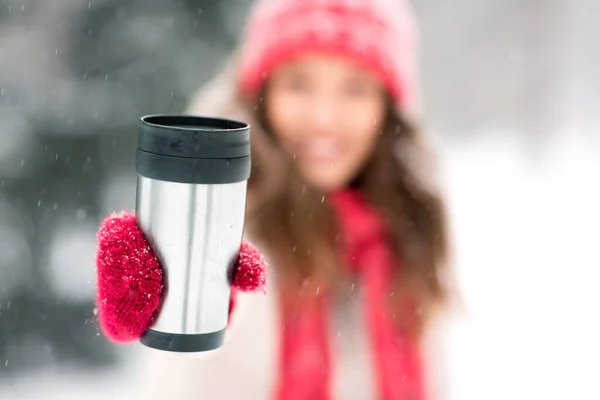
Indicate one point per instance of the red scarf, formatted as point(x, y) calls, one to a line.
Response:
point(305, 363)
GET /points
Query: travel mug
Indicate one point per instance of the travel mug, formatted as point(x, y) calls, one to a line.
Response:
point(190, 204)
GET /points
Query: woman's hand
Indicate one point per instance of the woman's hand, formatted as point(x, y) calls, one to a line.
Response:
point(130, 287)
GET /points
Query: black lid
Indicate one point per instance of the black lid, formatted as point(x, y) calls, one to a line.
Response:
point(192, 149)
point(188, 136)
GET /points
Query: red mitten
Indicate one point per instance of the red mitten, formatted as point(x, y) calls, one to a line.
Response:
point(131, 280)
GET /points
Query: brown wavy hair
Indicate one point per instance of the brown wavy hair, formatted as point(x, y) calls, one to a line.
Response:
point(295, 224)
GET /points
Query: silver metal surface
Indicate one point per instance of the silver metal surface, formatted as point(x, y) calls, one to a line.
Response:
point(197, 231)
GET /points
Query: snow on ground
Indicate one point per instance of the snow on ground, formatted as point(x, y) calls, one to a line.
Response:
point(528, 266)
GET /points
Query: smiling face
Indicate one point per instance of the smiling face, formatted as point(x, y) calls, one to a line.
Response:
point(327, 114)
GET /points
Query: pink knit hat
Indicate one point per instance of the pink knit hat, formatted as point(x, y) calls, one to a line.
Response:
point(379, 35)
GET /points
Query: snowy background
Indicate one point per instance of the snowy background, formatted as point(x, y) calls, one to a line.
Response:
point(512, 91)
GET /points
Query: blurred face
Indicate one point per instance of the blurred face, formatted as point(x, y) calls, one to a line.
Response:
point(326, 114)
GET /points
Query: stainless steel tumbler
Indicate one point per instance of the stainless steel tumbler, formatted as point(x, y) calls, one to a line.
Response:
point(191, 200)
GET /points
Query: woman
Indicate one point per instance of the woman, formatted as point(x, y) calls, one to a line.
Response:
point(341, 200)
